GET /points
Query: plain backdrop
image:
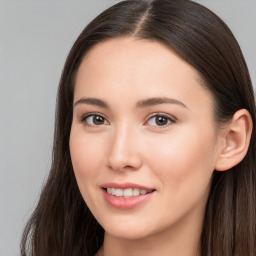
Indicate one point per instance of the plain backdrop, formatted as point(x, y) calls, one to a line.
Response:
point(35, 37)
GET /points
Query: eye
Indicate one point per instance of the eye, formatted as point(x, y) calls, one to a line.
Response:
point(94, 120)
point(160, 120)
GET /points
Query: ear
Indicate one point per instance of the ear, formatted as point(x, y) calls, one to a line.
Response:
point(236, 137)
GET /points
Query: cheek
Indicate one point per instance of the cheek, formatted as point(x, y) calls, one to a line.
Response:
point(184, 167)
point(185, 158)
point(87, 158)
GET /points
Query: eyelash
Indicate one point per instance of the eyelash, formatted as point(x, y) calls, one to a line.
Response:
point(85, 117)
point(170, 119)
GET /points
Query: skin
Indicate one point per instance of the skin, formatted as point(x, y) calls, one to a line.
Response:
point(177, 159)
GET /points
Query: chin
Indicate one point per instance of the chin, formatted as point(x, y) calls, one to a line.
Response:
point(129, 234)
point(129, 229)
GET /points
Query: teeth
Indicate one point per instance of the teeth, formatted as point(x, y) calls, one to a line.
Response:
point(119, 192)
point(135, 192)
point(143, 192)
point(128, 192)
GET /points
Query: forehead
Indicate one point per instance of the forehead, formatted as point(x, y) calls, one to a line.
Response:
point(126, 54)
point(141, 68)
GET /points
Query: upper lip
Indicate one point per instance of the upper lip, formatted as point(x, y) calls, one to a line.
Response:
point(124, 185)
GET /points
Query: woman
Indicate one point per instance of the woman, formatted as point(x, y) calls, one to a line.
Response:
point(154, 149)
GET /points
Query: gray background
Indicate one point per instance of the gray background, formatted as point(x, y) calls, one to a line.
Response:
point(35, 37)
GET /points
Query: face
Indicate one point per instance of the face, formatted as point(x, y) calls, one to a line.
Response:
point(143, 140)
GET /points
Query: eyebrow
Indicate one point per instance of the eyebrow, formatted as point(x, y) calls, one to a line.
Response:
point(140, 104)
point(159, 100)
point(92, 101)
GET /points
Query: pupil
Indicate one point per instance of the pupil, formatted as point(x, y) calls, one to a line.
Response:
point(98, 120)
point(160, 120)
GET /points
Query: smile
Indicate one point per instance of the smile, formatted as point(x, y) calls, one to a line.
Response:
point(128, 192)
point(126, 196)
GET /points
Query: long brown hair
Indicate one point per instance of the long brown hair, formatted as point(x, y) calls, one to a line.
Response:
point(62, 224)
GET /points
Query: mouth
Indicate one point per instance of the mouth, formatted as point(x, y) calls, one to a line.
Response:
point(128, 192)
point(126, 195)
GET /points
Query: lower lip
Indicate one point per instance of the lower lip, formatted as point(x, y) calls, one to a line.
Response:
point(126, 203)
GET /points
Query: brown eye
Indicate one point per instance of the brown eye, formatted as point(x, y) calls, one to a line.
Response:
point(160, 120)
point(98, 120)
point(95, 120)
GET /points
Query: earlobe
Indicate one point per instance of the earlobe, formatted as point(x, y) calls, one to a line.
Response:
point(236, 138)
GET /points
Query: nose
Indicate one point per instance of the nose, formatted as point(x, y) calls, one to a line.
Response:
point(124, 150)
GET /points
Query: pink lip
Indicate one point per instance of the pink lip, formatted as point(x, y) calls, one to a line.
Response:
point(125, 203)
point(124, 185)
